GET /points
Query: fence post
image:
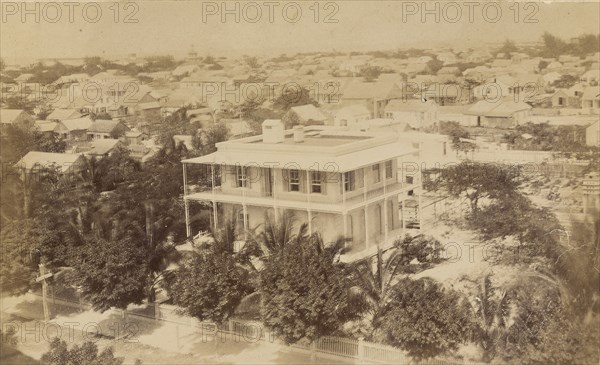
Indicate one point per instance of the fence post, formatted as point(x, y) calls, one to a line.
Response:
point(360, 350)
point(156, 310)
point(231, 325)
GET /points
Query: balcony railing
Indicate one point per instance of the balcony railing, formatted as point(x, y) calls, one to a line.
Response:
point(346, 200)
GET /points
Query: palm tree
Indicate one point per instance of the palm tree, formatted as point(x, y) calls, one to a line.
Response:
point(493, 317)
point(274, 235)
point(373, 279)
point(275, 239)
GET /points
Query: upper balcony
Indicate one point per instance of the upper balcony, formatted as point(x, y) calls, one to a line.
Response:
point(335, 193)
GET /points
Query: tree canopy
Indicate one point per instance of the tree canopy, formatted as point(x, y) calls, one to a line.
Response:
point(305, 293)
point(424, 319)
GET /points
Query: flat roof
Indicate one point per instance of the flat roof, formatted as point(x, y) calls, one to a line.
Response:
point(324, 149)
point(320, 140)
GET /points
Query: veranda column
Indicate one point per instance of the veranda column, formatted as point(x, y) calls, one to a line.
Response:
point(308, 210)
point(214, 200)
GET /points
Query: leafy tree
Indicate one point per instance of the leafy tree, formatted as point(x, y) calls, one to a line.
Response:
point(424, 319)
point(110, 171)
point(565, 81)
point(434, 65)
point(112, 273)
point(209, 286)
point(476, 181)
point(2, 64)
point(587, 44)
point(18, 140)
point(214, 134)
point(18, 260)
point(293, 97)
point(374, 277)
point(252, 62)
point(86, 354)
point(20, 102)
point(553, 46)
point(370, 73)
point(305, 293)
point(508, 47)
point(564, 138)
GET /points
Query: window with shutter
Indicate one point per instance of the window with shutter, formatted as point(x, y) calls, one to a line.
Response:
point(316, 182)
point(349, 181)
point(388, 169)
point(376, 173)
point(241, 176)
point(294, 180)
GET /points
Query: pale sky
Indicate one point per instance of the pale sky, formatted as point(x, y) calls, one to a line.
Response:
point(174, 26)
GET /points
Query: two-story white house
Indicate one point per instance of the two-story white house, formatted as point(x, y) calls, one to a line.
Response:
point(339, 182)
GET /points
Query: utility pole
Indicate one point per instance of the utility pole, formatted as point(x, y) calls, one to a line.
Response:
point(43, 276)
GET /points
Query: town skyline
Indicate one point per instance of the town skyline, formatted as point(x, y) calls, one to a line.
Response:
point(149, 29)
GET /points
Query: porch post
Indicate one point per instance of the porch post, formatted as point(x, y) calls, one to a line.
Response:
point(364, 184)
point(308, 210)
point(343, 187)
point(185, 191)
point(367, 241)
point(188, 230)
point(385, 208)
point(215, 219)
point(245, 210)
point(273, 180)
point(214, 200)
point(403, 216)
point(385, 220)
point(419, 211)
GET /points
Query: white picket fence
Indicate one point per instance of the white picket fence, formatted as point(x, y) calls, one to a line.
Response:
point(338, 348)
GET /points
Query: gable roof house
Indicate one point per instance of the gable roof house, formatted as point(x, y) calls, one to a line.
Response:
point(503, 113)
point(23, 77)
point(592, 134)
point(591, 76)
point(306, 115)
point(103, 147)
point(14, 117)
point(551, 77)
point(64, 163)
point(62, 114)
point(374, 95)
point(591, 99)
point(45, 126)
point(73, 129)
point(553, 66)
point(351, 115)
point(238, 128)
point(103, 129)
point(184, 70)
point(417, 113)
